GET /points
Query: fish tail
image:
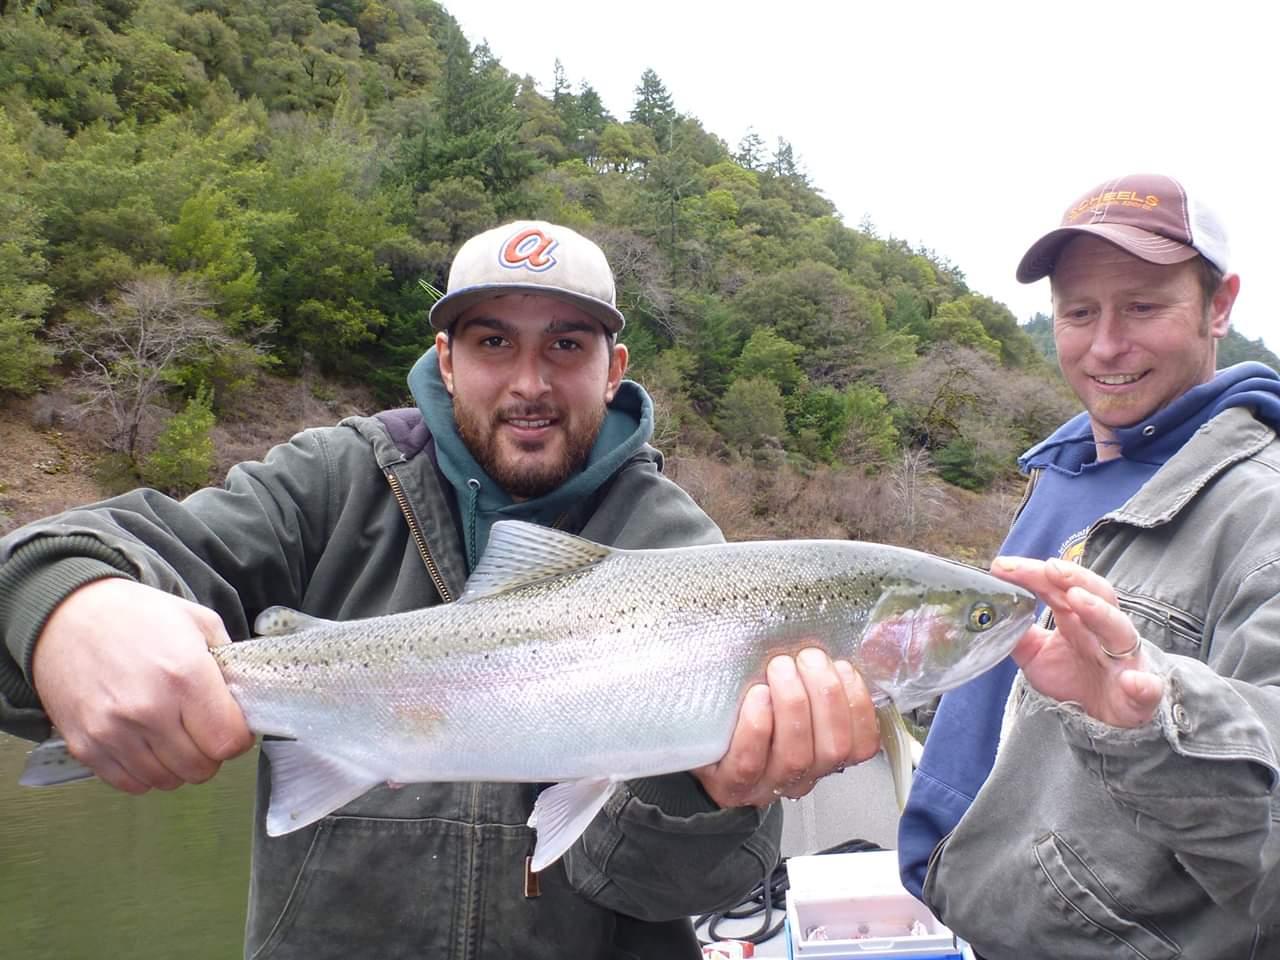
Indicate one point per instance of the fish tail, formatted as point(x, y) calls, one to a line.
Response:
point(50, 763)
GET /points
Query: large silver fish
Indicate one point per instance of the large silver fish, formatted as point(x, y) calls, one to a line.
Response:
point(570, 662)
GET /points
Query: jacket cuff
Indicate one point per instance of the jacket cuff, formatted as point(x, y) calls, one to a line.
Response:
point(39, 576)
point(676, 794)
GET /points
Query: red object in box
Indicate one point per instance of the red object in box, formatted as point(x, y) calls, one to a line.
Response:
point(728, 950)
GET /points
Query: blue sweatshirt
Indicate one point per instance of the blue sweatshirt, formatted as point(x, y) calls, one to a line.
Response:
point(1074, 490)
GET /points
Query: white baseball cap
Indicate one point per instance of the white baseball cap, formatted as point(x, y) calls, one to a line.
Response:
point(530, 256)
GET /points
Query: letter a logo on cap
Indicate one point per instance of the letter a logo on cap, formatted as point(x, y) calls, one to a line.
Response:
point(529, 249)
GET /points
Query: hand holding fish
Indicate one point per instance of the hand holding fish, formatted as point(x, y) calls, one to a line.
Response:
point(124, 673)
point(813, 717)
point(1093, 656)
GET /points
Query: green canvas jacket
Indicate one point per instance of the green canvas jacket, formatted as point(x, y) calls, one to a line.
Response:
point(354, 521)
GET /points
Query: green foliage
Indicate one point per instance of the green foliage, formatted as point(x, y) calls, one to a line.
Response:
point(1016, 349)
point(183, 458)
point(769, 356)
point(839, 324)
point(963, 463)
point(654, 108)
point(853, 425)
point(305, 163)
point(1237, 348)
point(115, 472)
point(714, 339)
point(320, 245)
point(53, 71)
point(24, 297)
point(751, 413)
point(954, 323)
point(1039, 329)
point(871, 437)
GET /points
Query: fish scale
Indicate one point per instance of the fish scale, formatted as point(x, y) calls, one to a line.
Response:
point(570, 662)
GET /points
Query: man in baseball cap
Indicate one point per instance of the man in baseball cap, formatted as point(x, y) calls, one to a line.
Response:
point(1130, 808)
point(521, 410)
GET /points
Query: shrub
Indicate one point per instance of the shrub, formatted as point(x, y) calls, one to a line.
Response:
point(183, 458)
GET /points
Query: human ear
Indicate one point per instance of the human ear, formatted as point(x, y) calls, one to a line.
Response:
point(444, 356)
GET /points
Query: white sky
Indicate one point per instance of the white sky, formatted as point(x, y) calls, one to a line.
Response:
point(965, 127)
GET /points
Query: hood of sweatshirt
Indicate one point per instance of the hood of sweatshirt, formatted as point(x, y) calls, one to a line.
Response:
point(627, 426)
point(1160, 436)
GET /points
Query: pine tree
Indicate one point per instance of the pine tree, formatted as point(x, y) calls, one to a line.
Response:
point(654, 109)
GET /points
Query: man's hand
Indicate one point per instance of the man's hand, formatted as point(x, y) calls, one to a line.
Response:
point(125, 675)
point(812, 718)
point(1093, 656)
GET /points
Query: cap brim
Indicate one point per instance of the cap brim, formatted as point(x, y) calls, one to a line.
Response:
point(1038, 261)
point(449, 307)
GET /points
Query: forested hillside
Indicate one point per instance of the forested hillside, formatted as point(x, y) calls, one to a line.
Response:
point(194, 192)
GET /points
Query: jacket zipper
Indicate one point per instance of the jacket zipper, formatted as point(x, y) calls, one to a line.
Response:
point(415, 529)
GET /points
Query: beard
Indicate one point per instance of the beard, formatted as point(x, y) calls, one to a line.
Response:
point(516, 467)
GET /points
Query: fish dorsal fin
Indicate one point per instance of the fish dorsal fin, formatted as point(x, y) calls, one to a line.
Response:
point(520, 553)
point(282, 621)
point(562, 813)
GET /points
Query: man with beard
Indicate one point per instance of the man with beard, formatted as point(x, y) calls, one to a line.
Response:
point(521, 412)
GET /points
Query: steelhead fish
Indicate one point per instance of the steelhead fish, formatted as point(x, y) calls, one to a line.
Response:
point(584, 665)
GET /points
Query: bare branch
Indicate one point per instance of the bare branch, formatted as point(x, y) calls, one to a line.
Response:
point(128, 348)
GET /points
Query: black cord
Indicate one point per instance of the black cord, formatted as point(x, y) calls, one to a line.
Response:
point(768, 895)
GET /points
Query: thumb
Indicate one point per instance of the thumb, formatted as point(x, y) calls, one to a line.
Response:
point(1142, 691)
point(1030, 645)
point(211, 716)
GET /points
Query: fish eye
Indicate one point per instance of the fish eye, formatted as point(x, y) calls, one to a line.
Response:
point(981, 616)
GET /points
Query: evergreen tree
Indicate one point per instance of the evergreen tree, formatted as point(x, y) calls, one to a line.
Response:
point(654, 108)
point(751, 151)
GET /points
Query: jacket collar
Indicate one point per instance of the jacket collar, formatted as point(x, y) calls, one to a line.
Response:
point(1230, 437)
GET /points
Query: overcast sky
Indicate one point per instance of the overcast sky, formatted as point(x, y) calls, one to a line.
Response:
point(964, 127)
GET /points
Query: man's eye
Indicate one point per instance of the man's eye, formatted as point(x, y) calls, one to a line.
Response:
point(566, 344)
point(494, 341)
point(1142, 307)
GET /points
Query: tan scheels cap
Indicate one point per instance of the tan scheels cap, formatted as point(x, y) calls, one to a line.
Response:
point(1148, 215)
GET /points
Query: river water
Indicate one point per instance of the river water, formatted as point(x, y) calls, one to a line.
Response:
point(88, 873)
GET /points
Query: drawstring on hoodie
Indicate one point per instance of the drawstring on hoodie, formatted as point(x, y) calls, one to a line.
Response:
point(472, 547)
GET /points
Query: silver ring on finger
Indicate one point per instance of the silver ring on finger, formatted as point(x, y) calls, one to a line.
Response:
point(1123, 654)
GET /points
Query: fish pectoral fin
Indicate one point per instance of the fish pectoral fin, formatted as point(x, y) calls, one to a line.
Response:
point(307, 785)
point(897, 743)
point(562, 814)
point(50, 763)
point(282, 621)
point(520, 553)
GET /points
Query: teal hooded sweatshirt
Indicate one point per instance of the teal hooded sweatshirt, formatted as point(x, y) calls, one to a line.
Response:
point(628, 425)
